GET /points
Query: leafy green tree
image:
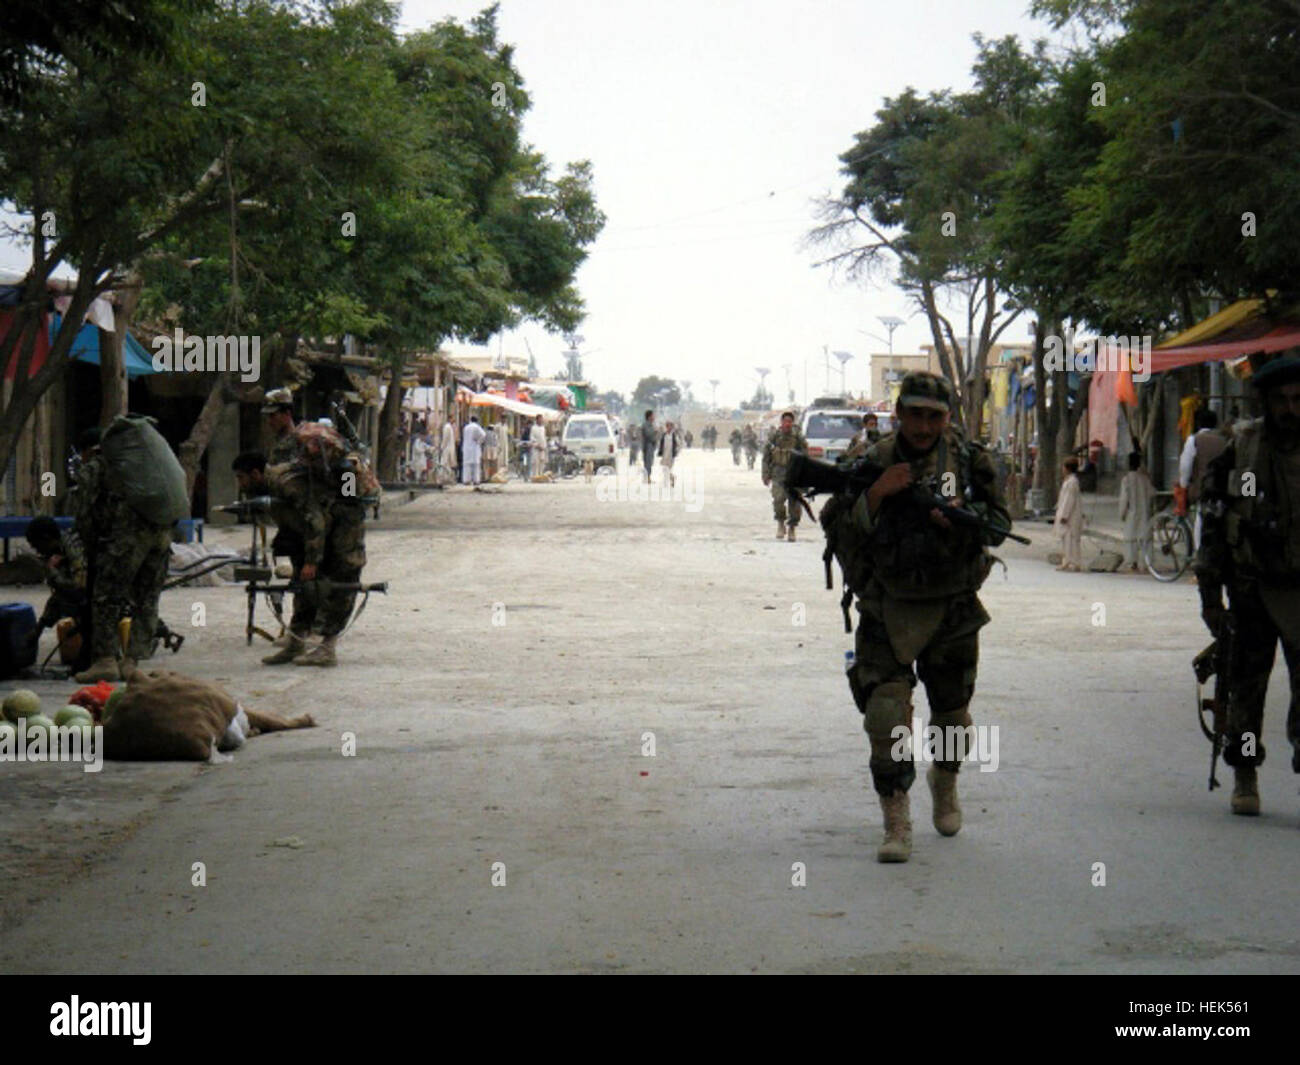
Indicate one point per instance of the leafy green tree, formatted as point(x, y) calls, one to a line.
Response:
point(648, 393)
point(919, 200)
point(1194, 192)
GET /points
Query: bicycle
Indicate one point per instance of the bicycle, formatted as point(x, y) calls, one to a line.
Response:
point(1169, 546)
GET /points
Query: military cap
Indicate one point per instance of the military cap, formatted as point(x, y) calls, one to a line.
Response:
point(921, 389)
point(277, 399)
point(1283, 370)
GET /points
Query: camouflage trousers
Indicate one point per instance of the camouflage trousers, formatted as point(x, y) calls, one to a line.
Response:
point(1258, 635)
point(785, 503)
point(129, 567)
point(882, 684)
point(345, 555)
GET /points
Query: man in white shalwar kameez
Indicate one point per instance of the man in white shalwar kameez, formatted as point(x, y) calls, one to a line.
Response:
point(537, 446)
point(447, 453)
point(1135, 494)
point(1069, 519)
point(670, 445)
point(471, 453)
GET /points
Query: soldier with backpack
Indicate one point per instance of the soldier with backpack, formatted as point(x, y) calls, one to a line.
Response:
point(321, 496)
point(916, 573)
point(129, 493)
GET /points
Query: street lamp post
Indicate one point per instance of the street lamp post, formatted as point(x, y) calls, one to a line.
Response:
point(844, 358)
point(891, 323)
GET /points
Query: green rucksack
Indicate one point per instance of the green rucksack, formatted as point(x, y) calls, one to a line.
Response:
point(144, 471)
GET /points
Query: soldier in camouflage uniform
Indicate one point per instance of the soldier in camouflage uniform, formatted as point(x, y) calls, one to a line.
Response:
point(920, 614)
point(749, 440)
point(127, 559)
point(1250, 546)
point(65, 562)
point(277, 406)
point(781, 444)
point(327, 544)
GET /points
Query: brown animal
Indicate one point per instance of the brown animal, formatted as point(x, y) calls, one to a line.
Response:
point(165, 716)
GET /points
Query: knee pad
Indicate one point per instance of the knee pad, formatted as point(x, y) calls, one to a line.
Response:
point(1234, 755)
point(889, 777)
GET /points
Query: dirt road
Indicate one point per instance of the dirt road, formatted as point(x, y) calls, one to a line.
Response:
point(592, 735)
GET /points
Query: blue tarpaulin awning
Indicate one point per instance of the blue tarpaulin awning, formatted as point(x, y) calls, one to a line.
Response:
point(86, 348)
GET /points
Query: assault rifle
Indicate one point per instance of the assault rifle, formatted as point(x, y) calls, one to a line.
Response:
point(813, 475)
point(1215, 661)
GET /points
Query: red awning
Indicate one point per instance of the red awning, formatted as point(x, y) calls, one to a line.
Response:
point(41, 350)
point(1246, 339)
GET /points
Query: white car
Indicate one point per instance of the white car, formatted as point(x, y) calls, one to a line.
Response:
point(591, 437)
point(830, 432)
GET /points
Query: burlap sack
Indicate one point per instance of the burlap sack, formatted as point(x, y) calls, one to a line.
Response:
point(165, 716)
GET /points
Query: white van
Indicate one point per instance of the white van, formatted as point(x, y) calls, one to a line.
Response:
point(591, 437)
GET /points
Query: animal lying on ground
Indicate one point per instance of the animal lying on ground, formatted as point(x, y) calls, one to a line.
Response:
point(166, 716)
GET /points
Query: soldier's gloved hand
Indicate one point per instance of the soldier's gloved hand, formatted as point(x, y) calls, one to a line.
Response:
point(767, 481)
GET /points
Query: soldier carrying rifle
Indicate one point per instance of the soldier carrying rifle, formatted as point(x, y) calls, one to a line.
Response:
point(1250, 547)
point(911, 523)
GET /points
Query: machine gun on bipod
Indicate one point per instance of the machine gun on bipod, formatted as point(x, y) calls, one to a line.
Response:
point(259, 576)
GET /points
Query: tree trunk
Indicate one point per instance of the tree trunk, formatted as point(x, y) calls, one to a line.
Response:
point(112, 354)
point(191, 451)
point(931, 309)
point(1046, 466)
point(390, 426)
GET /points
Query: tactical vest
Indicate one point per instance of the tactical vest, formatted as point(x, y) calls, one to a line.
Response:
point(783, 445)
point(913, 558)
point(1262, 521)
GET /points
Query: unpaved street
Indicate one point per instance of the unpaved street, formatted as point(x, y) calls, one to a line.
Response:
point(501, 698)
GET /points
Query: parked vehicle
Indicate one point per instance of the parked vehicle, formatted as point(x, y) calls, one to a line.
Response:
point(830, 432)
point(591, 437)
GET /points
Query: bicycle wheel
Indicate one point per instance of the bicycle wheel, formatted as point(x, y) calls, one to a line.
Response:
point(1168, 551)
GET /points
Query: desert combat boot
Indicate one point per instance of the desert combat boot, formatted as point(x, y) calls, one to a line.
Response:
point(897, 846)
point(789, 533)
point(780, 530)
point(295, 646)
point(100, 669)
point(319, 656)
point(943, 789)
point(1245, 792)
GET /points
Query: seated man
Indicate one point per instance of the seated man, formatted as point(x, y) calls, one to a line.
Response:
point(65, 565)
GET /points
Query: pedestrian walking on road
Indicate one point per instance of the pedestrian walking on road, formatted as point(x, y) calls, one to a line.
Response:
point(1069, 519)
point(1251, 549)
point(920, 614)
point(670, 446)
point(781, 446)
point(1135, 495)
point(649, 443)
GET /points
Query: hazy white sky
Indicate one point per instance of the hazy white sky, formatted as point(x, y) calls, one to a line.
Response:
point(712, 125)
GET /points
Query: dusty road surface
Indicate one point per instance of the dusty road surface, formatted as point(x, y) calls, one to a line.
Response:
point(591, 734)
